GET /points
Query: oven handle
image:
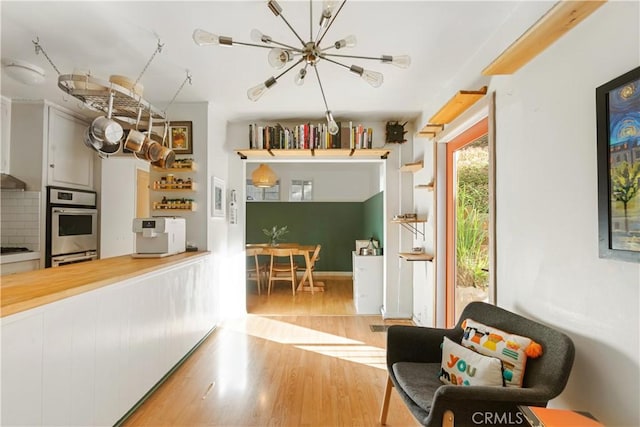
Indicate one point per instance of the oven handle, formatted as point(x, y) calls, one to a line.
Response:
point(63, 258)
point(74, 211)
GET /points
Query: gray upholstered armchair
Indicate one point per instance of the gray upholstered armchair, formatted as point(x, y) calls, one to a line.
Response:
point(413, 363)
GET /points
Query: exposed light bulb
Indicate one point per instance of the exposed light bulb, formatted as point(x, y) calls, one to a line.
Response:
point(257, 91)
point(332, 126)
point(258, 37)
point(349, 41)
point(279, 57)
point(401, 61)
point(205, 38)
point(327, 12)
point(328, 6)
point(374, 78)
point(300, 75)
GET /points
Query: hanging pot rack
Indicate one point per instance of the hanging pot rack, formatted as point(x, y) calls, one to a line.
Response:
point(97, 94)
point(125, 102)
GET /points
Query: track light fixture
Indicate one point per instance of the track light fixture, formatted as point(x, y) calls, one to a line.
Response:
point(307, 54)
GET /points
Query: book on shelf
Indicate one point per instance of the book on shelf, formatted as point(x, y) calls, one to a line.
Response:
point(308, 136)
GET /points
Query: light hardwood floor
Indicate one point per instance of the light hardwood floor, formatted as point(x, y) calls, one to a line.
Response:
point(282, 370)
point(337, 299)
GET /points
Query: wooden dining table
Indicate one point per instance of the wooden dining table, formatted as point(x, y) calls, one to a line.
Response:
point(299, 250)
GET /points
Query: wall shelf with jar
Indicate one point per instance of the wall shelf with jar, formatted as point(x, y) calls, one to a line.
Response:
point(176, 184)
point(181, 204)
point(179, 165)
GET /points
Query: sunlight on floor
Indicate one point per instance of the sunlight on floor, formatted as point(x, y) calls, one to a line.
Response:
point(310, 340)
point(363, 354)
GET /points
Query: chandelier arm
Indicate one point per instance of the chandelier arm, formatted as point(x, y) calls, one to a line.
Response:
point(375, 58)
point(335, 62)
point(291, 28)
point(310, 20)
point(330, 23)
point(326, 106)
point(289, 69)
point(298, 50)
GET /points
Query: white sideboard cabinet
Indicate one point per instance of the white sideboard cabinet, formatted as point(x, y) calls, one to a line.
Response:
point(367, 283)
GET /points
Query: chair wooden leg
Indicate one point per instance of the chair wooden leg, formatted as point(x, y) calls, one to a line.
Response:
point(385, 402)
point(293, 281)
point(259, 280)
point(447, 419)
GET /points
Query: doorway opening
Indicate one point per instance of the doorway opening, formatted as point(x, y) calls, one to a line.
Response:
point(338, 215)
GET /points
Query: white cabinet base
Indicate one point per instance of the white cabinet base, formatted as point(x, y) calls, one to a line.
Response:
point(367, 283)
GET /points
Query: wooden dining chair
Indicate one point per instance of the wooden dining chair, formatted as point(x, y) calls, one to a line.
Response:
point(282, 267)
point(312, 265)
point(257, 272)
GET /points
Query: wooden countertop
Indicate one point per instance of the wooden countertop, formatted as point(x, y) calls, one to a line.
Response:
point(24, 291)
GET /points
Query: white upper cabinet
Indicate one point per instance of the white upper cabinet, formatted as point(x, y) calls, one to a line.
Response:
point(47, 147)
point(70, 162)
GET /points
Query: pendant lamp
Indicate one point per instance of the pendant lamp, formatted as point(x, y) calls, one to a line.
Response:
point(263, 177)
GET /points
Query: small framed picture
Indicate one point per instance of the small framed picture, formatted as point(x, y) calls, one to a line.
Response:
point(217, 198)
point(180, 137)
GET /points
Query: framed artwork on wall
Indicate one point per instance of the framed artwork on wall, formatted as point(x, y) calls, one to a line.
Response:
point(217, 198)
point(618, 150)
point(181, 137)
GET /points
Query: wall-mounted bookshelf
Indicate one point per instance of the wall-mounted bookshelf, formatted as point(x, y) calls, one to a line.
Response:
point(299, 153)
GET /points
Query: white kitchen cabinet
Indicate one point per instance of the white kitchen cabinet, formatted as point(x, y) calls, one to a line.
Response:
point(67, 373)
point(47, 147)
point(70, 162)
point(21, 371)
point(367, 283)
point(88, 359)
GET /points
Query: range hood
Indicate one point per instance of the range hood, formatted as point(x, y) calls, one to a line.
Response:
point(11, 183)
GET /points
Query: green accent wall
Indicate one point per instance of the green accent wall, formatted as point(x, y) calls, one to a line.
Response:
point(373, 225)
point(334, 225)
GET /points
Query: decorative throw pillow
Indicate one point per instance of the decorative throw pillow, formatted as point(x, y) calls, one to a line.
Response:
point(461, 366)
point(511, 349)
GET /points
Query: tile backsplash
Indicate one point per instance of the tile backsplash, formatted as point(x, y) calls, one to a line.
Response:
point(20, 219)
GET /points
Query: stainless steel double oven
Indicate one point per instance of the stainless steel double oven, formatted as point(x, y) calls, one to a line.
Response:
point(72, 226)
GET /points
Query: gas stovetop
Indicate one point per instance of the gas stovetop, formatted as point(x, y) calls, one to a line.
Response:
point(5, 250)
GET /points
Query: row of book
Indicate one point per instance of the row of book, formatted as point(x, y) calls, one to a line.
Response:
point(309, 136)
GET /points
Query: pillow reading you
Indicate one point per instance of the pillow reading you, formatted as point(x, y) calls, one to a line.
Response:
point(511, 349)
point(461, 366)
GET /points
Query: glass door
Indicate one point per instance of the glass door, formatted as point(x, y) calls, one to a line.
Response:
point(468, 220)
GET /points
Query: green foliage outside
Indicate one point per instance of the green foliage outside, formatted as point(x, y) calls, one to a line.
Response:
point(624, 186)
point(472, 255)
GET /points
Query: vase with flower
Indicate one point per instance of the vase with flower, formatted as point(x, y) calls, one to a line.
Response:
point(275, 234)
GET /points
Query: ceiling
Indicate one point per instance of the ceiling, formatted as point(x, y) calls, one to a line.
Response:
point(450, 42)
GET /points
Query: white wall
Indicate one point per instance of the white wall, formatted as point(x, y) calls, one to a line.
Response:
point(5, 136)
point(117, 204)
point(547, 225)
point(423, 200)
point(332, 182)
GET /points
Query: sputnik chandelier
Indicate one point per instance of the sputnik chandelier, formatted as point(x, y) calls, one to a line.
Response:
point(309, 54)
